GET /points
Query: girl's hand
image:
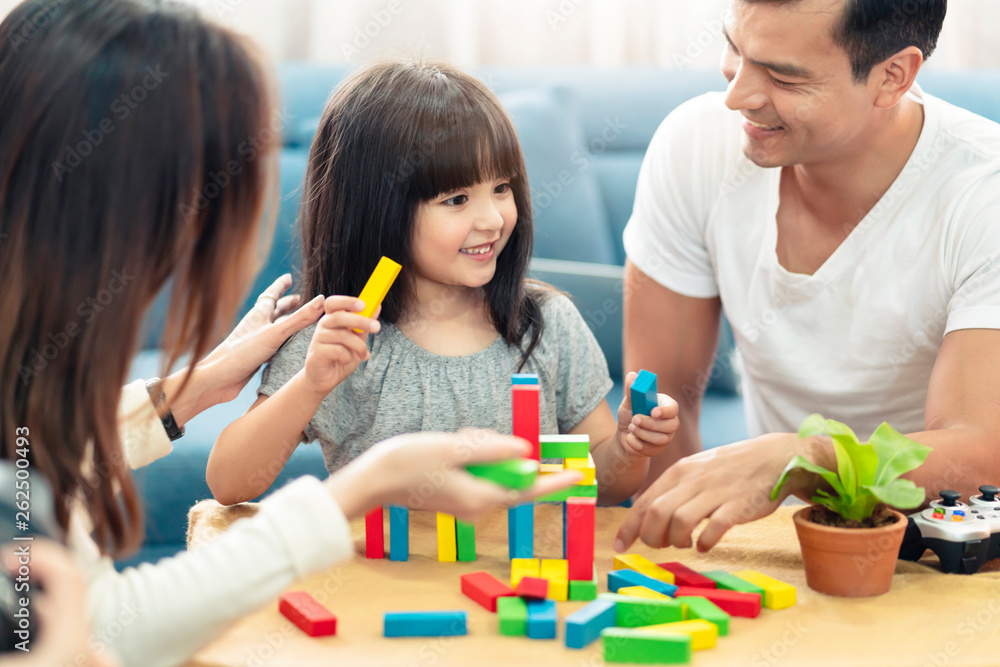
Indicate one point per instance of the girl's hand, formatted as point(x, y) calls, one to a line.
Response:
point(646, 435)
point(427, 471)
point(337, 349)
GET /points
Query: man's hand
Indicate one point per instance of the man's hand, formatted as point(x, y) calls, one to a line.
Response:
point(727, 485)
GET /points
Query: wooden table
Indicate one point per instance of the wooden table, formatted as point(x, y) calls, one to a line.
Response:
point(928, 618)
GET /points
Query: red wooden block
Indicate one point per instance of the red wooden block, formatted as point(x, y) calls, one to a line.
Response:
point(533, 587)
point(484, 588)
point(527, 422)
point(304, 611)
point(374, 534)
point(685, 576)
point(580, 538)
point(733, 603)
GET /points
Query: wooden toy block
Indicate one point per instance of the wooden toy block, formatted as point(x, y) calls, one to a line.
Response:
point(584, 465)
point(447, 546)
point(635, 612)
point(642, 592)
point(512, 614)
point(645, 648)
point(619, 578)
point(309, 615)
point(399, 533)
point(703, 634)
point(777, 594)
point(527, 425)
point(565, 446)
point(524, 567)
point(521, 531)
point(556, 571)
point(378, 286)
point(579, 537)
point(524, 378)
point(549, 468)
point(534, 588)
point(425, 623)
point(374, 534)
point(643, 393)
point(484, 588)
point(705, 609)
point(733, 603)
point(514, 473)
point(582, 590)
point(465, 540)
point(542, 619)
point(643, 565)
point(584, 625)
point(729, 582)
point(685, 576)
point(578, 491)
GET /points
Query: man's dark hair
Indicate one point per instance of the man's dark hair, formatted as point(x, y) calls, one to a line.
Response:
point(872, 30)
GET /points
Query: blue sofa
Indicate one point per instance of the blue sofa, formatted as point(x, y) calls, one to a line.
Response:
point(584, 132)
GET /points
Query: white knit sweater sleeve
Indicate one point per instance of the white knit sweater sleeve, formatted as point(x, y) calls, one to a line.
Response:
point(141, 430)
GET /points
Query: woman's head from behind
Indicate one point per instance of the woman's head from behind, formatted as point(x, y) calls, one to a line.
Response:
point(418, 162)
point(134, 148)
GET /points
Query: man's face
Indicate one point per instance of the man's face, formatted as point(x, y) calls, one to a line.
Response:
point(793, 84)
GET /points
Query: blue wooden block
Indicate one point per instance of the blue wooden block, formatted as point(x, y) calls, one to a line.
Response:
point(542, 619)
point(584, 625)
point(521, 531)
point(643, 393)
point(524, 378)
point(619, 578)
point(399, 533)
point(425, 623)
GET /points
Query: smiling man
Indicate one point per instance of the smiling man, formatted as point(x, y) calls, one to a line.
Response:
point(849, 226)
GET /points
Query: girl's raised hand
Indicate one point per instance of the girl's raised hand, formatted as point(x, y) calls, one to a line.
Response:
point(646, 435)
point(336, 348)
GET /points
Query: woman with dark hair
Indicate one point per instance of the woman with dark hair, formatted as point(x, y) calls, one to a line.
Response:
point(113, 116)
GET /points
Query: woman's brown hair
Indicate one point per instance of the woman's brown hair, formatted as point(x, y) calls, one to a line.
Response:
point(135, 144)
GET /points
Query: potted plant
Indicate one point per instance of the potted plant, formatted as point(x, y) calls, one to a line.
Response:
point(850, 538)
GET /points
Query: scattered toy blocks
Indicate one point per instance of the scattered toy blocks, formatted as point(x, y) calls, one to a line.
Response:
point(643, 565)
point(485, 589)
point(309, 615)
point(730, 582)
point(685, 576)
point(643, 393)
point(465, 540)
point(584, 625)
point(447, 546)
point(374, 534)
point(648, 648)
point(378, 286)
point(635, 612)
point(619, 578)
point(512, 614)
point(556, 571)
point(584, 465)
point(565, 446)
point(524, 567)
point(705, 609)
point(514, 473)
point(777, 594)
point(542, 619)
point(525, 401)
point(642, 592)
point(399, 533)
point(425, 623)
point(521, 531)
point(534, 588)
point(735, 603)
point(703, 634)
point(582, 590)
point(578, 537)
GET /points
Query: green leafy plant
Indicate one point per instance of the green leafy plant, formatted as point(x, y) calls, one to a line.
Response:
point(867, 473)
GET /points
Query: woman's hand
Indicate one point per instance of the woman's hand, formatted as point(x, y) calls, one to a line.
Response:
point(646, 435)
point(427, 471)
point(337, 348)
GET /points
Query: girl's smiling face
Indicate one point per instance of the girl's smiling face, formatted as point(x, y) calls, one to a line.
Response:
point(458, 235)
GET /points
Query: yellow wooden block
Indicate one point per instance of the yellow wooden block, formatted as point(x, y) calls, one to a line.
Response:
point(549, 468)
point(586, 466)
point(378, 286)
point(644, 566)
point(641, 592)
point(702, 633)
point(556, 572)
point(523, 567)
point(447, 546)
point(777, 594)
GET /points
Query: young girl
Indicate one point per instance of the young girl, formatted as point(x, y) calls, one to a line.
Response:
point(420, 163)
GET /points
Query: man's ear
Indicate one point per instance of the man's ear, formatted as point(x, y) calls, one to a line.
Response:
point(895, 75)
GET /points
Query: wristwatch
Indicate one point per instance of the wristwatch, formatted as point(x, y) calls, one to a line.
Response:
point(159, 399)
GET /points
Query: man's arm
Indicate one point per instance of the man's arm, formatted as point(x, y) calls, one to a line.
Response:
point(675, 337)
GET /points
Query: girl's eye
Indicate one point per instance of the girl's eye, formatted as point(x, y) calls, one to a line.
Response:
point(503, 188)
point(782, 84)
point(457, 200)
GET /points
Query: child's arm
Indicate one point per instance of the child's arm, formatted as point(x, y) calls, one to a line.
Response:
point(625, 448)
point(251, 451)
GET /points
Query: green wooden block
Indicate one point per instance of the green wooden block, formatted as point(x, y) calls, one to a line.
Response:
point(707, 610)
point(514, 473)
point(731, 582)
point(578, 491)
point(645, 648)
point(465, 540)
point(513, 615)
point(564, 446)
point(635, 612)
point(583, 590)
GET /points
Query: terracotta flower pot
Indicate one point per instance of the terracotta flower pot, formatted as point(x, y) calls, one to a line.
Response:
point(849, 562)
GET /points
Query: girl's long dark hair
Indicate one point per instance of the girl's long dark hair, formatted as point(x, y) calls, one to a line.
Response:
point(395, 134)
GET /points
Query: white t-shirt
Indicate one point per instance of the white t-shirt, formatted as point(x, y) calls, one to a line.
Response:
point(857, 340)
